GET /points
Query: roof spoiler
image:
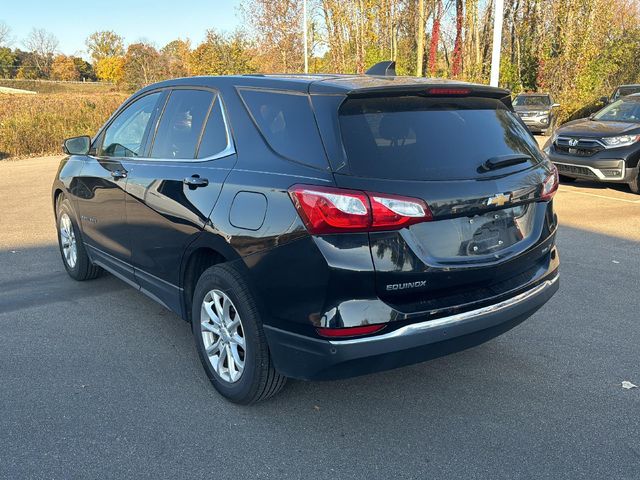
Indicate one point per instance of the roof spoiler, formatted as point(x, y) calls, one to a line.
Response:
point(383, 69)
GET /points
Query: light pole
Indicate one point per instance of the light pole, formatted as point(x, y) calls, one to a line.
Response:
point(304, 21)
point(498, 14)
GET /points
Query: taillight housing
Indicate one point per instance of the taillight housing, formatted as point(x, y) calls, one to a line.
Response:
point(550, 185)
point(337, 210)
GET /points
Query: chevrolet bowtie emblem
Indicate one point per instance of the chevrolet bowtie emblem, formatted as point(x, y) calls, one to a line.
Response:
point(499, 200)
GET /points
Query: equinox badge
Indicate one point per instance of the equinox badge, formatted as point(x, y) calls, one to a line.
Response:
point(402, 286)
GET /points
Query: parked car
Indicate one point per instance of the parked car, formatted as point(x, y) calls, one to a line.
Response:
point(604, 147)
point(316, 227)
point(621, 91)
point(538, 111)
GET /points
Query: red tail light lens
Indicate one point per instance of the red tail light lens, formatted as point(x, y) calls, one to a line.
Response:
point(329, 210)
point(337, 210)
point(349, 331)
point(550, 185)
point(391, 211)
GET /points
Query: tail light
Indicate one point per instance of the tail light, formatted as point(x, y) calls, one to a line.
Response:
point(349, 331)
point(337, 210)
point(550, 185)
point(449, 91)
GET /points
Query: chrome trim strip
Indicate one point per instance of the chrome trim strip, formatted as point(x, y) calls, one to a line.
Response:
point(422, 327)
point(594, 140)
point(597, 171)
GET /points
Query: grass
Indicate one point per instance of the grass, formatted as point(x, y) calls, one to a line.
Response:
point(37, 124)
point(49, 86)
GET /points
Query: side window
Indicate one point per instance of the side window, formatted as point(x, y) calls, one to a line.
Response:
point(288, 124)
point(126, 134)
point(214, 139)
point(181, 124)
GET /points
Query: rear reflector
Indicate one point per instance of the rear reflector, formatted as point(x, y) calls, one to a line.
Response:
point(337, 210)
point(550, 185)
point(449, 91)
point(349, 331)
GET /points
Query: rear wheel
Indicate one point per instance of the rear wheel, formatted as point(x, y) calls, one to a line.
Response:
point(74, 255)
point(229, 337)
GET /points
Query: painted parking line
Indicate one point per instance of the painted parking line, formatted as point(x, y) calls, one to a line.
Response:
point(599, 196)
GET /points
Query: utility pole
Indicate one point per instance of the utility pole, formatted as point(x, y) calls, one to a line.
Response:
point(306, 51)
point(498, 15)
point(420, 38)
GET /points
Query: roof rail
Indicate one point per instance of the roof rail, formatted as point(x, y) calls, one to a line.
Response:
point(384, 69)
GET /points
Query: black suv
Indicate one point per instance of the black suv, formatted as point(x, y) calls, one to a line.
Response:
point(604, 147)
point(538, 111)
point(316, 227)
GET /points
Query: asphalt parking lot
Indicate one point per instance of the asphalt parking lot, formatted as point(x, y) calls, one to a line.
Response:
point(97, 381)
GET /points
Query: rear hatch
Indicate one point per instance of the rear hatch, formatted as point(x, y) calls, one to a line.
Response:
point(481, 174)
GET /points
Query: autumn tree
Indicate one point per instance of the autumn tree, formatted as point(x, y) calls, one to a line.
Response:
point(141, 65)
point(104, 44)
point(276, 25)
point(175, 58)
point(110, 69)
point(5, 34)
point(64, 68)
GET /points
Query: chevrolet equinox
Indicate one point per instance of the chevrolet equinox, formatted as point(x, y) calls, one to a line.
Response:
point(316, 226)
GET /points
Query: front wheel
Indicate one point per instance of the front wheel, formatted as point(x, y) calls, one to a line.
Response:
point(74, 255)
point(634, 185)
point(229, 337)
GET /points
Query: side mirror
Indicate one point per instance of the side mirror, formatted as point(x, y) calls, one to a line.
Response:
point(604, 99)
point(77, 145)
point(555, 105)
point(591, 116)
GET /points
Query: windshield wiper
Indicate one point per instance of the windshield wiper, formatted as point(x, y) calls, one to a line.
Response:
point(502, 161)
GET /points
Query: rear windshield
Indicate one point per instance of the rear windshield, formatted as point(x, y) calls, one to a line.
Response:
point(531, 101)
point(421, 138)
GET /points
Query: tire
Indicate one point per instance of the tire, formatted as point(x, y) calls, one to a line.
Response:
point(634, 185)
point(242, 339)
point(72, 250)
point(565, 179)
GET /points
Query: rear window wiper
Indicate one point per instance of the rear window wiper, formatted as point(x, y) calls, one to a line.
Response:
point(502, 161)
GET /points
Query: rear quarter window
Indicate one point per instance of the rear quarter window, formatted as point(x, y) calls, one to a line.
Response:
point(422, 138)
point(287, 123)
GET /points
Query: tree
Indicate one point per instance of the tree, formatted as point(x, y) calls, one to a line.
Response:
point(85, 69)
point(175, 58)
point(141, 65)
point(277, 28)
point(42, 45)
point(104, 44)
point(110, 69)
point(64, 68)
point(456, 67)
point(222, 55)
point(5, 34)
point(7, 62)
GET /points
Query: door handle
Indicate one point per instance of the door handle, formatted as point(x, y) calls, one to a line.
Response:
point(194, 181)
point(120, 173)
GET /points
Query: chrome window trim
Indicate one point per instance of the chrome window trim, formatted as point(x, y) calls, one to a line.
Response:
point(422, 327)
point(597, 171)
point(226, 152)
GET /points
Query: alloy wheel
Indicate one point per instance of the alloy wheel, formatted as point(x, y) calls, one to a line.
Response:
point(68, 241)
point(223, 336)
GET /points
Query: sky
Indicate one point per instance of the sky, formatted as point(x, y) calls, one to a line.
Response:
point(159, 21)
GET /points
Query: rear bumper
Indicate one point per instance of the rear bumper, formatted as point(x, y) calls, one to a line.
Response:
point(309, 358)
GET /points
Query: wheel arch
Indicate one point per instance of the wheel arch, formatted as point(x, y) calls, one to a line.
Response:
point(208, 250)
